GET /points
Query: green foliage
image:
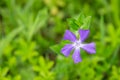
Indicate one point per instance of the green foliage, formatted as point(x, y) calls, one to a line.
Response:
point(43, 68)
point(81, 23)
point(88, 67)
point(27, 52)
point(114, 34)
point(56, 48)
point(4, 42)
point(39, 22)
point(29, 30)
point(115, 74)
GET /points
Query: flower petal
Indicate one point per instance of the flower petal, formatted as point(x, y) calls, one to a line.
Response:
point(76, 56)
point(67, 49)
point(90, 48)
point(83, 34)
point(69, 36)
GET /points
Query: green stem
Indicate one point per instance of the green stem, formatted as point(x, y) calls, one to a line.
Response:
point(114, 55)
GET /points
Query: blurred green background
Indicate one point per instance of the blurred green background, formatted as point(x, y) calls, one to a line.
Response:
point(29, 27)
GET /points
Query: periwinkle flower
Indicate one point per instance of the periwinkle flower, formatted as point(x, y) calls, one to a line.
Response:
point(77, 44)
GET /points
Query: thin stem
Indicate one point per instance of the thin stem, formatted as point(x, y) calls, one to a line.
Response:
point(114, 55)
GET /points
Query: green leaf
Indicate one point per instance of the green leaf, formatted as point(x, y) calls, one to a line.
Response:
point(115, 11)
point(9, 38)
point(40, 21)
point(57, 48)
point(50, 64)
point(81, 22)
point(42, 61)
point(81, 18)
point(4, 71)
point(102, 29)
point(113, 35)
point(72, 24)
point(86, 23)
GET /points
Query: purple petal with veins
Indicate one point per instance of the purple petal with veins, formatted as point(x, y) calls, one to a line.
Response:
point(69, 36)
point(90, 48)
point(67, 49)
point(83, 34)
point(76, 56)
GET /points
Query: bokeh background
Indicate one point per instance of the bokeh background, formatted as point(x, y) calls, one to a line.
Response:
point(28, 28)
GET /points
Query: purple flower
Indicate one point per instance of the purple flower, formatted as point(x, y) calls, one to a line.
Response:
point(76, 44)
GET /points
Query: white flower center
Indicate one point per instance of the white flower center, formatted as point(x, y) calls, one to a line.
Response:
point(77, 44)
